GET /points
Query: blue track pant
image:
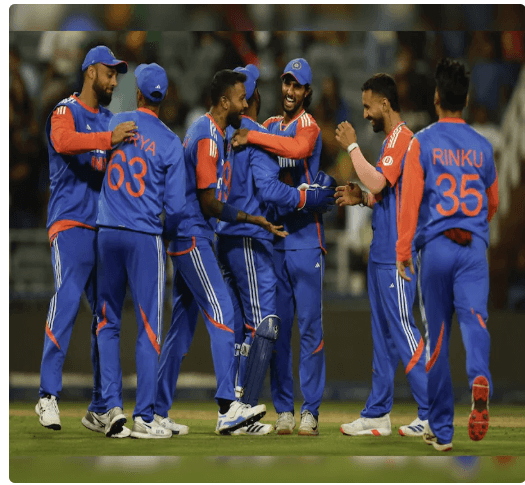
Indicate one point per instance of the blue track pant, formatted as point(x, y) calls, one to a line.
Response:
point(453, 277)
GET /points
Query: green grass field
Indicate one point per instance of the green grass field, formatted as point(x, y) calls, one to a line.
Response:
point(322, 458)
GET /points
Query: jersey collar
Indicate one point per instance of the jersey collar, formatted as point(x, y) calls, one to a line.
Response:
point(147, 111)
point(84, 105)
point(215, 123)
point(451, 120)
point(395, 128)
point(283, 127)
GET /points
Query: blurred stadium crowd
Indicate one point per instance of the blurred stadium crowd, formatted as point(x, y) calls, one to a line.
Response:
point(44, 67)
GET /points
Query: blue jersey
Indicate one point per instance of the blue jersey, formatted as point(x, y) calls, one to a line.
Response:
point(203, 152)
point(385, 214)
point(458, 168)
point(145, 174)
point(249, 182)
point(305, 229)
point(76, 179)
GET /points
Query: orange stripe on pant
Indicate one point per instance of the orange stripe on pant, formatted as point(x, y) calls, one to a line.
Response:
point(321, 345)
point(186, 251)
point(217, 324)
point(250, 329)
point(49, 333)
point(437, 350)
point(480, 318)
point(150, 332)
point(416, 356)
point(104, 319)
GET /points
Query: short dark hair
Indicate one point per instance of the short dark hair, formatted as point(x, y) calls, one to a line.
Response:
point(384, 85)
point(452, 82)
point(222, 81)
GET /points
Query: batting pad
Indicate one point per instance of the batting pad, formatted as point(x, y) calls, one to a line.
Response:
point(259, 358)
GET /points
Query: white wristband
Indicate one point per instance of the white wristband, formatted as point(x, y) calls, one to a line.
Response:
point(351, 147)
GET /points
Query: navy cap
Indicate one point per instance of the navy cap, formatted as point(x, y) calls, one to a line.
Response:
point(252, 74)
point(300, 70)
point(152, 79)
point(103, 54)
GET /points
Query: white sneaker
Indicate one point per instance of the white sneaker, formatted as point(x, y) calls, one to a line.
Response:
point(239, 415)
point(368, 426)
point(309, 425)
point(431, 439)
point(47, 410)
point(115, 421)
point(168, 423)
point(415, 428)
point(141, 429)
point(285, 423)
point(98, 421)
point(254, 429)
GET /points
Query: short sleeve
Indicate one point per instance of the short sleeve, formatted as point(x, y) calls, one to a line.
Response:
point(206, 170)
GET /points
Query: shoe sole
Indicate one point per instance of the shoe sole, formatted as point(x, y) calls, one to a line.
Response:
point(282, 432)
point(240, 432)
point(116, 426)
point(410, 434)
point(242, 424)
point(308, 433)
point(478, 423)
point(439, 447)
point(136, 435)
point(368, 432)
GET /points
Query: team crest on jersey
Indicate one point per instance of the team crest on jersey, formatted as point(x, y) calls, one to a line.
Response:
point(388, 160)
point(296, 65)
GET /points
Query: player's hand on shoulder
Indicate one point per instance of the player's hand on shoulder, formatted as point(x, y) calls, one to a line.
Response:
point(350, 194)
point(345, 134)
point(240, 137)
point(265, 224)
point(123, 131)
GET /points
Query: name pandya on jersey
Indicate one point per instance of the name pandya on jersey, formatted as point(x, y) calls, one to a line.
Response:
point(139, 141)
point(459, 157)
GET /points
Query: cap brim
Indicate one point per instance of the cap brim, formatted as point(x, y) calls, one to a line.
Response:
point(121, 66)
point(294, 76)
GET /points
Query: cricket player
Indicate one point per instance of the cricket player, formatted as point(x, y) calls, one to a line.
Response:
point(198, 282)
point(449, 196)
point(299, 258)
point(250, 181)
point(78, 137)
point(145, 175)
point(395, 335)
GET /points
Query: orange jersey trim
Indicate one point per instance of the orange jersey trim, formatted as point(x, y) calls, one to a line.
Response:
point(148, 111)
point(215, 123)
point(150, 332)
point(272, 119)
point(104, 321)
point(300, 146)
point(321, 345)
point(49, 333)
point(67, 140)
point(415, 358)
point(437, 350)
point(186, 251)
point(84, 105)
point(64, 225)
point(413, 185)
point(451, 120)
point(217, 324)
point(207, 156)
point(493, 198)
